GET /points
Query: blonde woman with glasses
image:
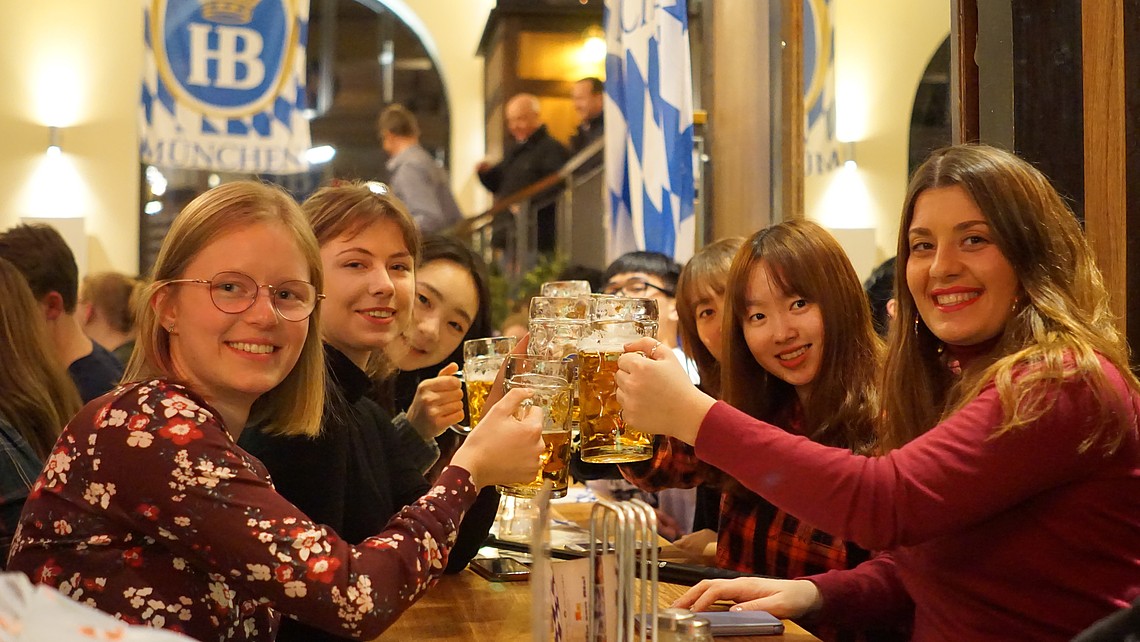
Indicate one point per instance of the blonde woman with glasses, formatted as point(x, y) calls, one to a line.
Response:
point(149, 510)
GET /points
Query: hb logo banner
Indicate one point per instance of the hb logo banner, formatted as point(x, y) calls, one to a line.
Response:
point(223, 85)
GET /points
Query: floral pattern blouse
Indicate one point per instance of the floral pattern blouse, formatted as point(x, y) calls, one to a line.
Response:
point(148, 510)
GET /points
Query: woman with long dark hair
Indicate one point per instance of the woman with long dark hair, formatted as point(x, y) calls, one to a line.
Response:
point(798, 351)
point(452, 304)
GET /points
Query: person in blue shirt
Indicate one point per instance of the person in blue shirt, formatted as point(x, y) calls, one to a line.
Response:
point(42, 256)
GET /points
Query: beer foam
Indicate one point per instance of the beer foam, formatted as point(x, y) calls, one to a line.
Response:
point(538, 381)
point(482, 368)
point(597, 342)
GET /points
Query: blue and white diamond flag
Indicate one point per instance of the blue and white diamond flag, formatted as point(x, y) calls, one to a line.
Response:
point(649, 128)
point(223, 85)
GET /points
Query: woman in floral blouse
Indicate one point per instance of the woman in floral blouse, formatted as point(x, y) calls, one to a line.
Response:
point(147, 508)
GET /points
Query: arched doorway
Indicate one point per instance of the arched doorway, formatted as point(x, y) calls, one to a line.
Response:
point(930, 126)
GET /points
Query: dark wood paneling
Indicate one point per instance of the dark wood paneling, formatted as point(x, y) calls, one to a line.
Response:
point(964, 72)
point(1048, 117)
point(1130, 24)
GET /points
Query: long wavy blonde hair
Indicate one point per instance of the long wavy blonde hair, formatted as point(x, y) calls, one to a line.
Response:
point(1060, 323)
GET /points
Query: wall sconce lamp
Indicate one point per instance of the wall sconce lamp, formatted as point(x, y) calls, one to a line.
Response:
point(53, 148)
point(847, 153)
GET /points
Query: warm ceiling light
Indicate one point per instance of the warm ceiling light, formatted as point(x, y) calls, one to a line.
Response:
point(594, 47)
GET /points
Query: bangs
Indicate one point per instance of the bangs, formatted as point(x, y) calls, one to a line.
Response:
point(703, 285)
point(790, 274)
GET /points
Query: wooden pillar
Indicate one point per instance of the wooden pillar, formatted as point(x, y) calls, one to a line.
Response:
point(1108, 136)
point(739, 132)
point(753, 82)
point(791, 139)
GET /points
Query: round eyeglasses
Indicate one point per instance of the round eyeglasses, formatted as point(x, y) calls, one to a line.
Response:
point(236, 292)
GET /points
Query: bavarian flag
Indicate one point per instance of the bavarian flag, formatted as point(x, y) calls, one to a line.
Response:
point(649, 128)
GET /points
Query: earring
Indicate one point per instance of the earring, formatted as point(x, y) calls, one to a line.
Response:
point(170, 328)
point(916, 325)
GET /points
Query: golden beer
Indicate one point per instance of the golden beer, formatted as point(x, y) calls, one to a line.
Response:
point(555, 467)
point(552, 397)
point(477, 391)
point(606, 439)
point(481, 361)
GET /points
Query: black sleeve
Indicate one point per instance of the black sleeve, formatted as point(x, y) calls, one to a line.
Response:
point(310, 473)
point(1121, 626)
point(492, 179)
point(585, 471)
point(554, 158)
point(407, 480)
point(473, 530)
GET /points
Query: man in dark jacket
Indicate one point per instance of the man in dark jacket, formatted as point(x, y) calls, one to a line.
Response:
point(588, 95)
point(534, 156)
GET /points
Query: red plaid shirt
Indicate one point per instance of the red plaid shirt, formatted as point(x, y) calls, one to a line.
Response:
point(788, 547)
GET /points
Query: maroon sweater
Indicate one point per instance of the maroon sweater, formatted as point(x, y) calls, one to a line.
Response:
point(148, 510)
point(1017, 537)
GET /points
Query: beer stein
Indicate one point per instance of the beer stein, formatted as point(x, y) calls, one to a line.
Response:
point(605, 437)
point(566, 288)
point(547, 380)
point(482, 359)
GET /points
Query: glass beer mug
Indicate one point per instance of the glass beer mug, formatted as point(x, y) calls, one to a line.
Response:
point(614, 322)
point(556, 325)
point(550, 387)
point(566, 288)
point(482, 359)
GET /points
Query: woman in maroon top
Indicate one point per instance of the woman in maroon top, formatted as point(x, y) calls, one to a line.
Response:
point(147, 508)
point(790, 291)
point(1008, 489)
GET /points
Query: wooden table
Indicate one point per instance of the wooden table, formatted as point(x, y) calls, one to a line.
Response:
point(469, 608)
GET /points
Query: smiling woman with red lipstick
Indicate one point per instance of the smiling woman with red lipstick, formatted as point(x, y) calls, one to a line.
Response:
point(1007, 489)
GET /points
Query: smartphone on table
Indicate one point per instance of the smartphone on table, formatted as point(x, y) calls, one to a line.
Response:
point(500, 569)
point(742, 623)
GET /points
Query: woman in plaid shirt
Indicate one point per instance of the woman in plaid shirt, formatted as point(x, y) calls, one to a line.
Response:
point(775, 358)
